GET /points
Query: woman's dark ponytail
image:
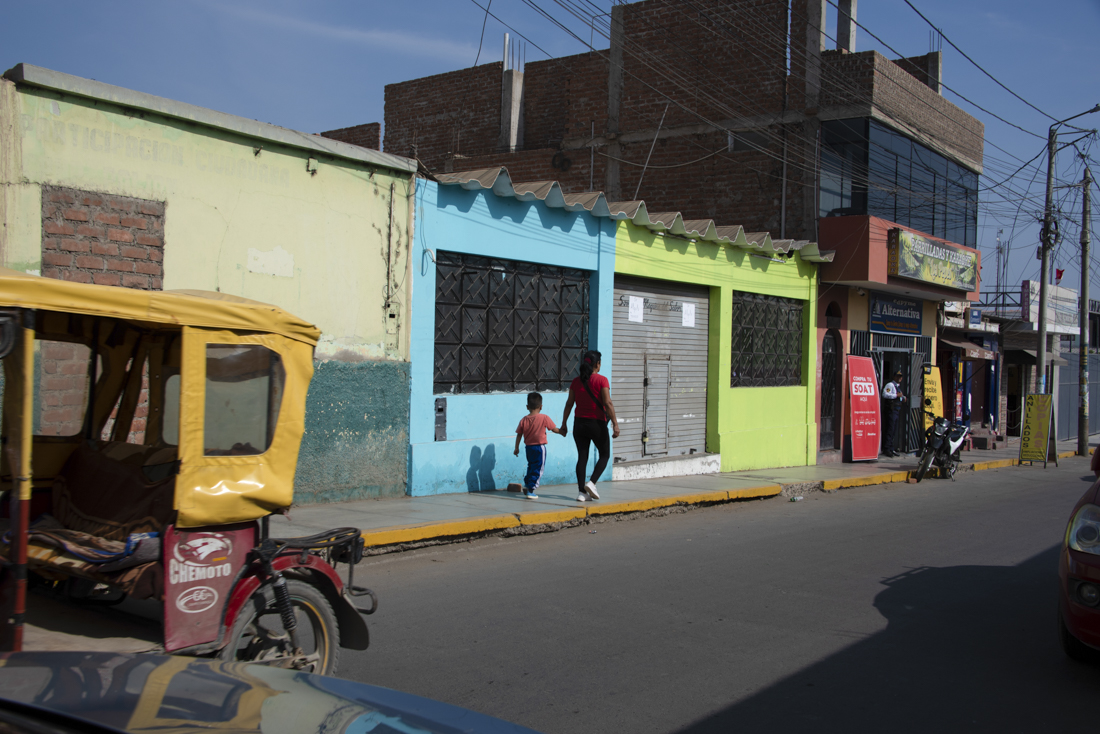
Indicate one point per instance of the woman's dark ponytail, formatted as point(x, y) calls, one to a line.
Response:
point(588, 364)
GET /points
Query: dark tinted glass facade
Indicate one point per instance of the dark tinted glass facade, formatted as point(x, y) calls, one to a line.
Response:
point(507, 326)
point(867, 168)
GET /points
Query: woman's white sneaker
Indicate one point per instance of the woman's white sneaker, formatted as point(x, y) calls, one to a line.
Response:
point(581, 497)
point(590, 488)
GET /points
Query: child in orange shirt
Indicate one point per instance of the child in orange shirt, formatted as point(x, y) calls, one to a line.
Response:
point(533, 428)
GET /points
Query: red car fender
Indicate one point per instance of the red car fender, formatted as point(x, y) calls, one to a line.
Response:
point(353, 630)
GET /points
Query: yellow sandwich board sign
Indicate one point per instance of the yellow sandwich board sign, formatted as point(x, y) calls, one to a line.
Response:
point(933, 394)
point(1037, 439)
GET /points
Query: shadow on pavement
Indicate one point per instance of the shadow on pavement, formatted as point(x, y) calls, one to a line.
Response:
point(966, 648)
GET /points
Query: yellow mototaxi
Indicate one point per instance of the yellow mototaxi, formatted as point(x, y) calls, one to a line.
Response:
point(147, 439)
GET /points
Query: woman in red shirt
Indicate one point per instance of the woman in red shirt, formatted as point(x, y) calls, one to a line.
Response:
point(591, 393)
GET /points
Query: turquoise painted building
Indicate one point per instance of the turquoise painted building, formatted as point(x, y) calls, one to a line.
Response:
point(512, 282)
point(511, 286)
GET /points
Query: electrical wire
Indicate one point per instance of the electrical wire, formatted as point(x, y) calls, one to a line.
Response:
point(796, 164)
point(975, 63)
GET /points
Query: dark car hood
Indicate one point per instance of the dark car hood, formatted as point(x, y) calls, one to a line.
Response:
point(139, 693)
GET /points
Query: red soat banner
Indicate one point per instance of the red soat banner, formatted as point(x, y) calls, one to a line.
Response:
point(863, 390)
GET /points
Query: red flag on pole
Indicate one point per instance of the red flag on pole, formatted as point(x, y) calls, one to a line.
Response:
point(1058, 275)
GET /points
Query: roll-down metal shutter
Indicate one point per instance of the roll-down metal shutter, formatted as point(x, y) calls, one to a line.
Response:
point(659, 382)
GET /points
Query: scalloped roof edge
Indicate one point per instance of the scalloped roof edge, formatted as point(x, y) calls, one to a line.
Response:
point(499, 181)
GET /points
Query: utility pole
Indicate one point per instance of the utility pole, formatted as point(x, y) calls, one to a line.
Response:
point(1083, 341)
point(1000, 264)
point(1047, 236)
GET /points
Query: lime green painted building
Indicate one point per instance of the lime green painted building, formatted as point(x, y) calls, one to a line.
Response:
point(750, 427)
point(108, 185)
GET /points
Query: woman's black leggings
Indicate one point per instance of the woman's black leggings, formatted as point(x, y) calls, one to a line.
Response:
point(594, 430)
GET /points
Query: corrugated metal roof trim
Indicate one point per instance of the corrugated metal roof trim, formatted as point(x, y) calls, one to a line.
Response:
point(499, 181)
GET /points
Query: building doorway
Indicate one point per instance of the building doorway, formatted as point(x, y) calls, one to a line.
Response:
point(830, 360)
point(909, 427)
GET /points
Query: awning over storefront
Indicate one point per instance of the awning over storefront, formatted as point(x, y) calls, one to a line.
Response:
point(1028, 357)
point(970, 351)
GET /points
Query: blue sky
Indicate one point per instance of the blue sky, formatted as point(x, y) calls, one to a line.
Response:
point(323, 65)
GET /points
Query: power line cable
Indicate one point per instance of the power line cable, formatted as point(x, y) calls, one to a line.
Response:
point(975, 63)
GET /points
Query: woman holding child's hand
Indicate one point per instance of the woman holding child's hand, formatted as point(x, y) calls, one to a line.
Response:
point(591, 393)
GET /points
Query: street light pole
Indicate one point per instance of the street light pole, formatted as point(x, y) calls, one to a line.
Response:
point(1048, 243)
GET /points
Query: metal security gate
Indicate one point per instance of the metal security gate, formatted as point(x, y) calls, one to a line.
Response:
point(659, 380)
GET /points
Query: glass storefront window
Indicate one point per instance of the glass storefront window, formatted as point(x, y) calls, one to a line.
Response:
point(867, 168)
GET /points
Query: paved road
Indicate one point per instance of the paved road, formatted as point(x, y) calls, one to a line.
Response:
point(895, 608)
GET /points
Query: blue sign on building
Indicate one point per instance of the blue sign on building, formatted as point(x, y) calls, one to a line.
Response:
point(975, 317)
point(893, 315)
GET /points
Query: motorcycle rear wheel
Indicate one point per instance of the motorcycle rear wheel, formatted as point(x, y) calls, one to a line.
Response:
point(925, 462)
point(258, 633)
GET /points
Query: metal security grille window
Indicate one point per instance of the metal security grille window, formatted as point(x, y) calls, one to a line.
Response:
point(767, 341)
point(507, 326)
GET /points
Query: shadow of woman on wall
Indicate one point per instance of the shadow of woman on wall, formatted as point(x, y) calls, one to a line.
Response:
point(479, 477)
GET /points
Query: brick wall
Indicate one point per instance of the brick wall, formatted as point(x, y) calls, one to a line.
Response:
point(456, 112)
point(62, 388)
point(718, 58)
point(874, 85)
point(365, 136)
point(723, 60)
point(102, 239)
point(919, 66)
point(89, 237)
point(563, 98)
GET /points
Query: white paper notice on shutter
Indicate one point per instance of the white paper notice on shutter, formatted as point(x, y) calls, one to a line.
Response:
point(689, 315)
point(636, 305)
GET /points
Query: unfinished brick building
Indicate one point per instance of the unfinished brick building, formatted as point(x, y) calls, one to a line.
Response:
point(706, 84)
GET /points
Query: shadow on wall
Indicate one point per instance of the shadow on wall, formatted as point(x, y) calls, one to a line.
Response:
point(479, 478)
point(966, 648)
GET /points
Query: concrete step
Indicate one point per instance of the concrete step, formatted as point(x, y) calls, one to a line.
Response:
point(667, 466)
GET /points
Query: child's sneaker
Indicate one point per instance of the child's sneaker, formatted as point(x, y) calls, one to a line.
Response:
point(590, 488)
point(530, 495)
point(581, 497)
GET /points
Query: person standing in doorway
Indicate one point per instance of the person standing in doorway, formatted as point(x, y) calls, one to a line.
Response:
point(892, 396)
point(591, 392)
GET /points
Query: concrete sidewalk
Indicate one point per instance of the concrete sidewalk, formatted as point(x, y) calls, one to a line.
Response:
point(404, 522)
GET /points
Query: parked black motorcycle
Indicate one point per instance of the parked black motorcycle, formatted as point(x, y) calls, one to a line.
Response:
point(942, 446)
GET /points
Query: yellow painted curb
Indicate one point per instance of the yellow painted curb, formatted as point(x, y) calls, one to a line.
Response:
point(866, 481)
point(550, 516)
point(701, 497)
point(994, 464)
point(1066, 454)
point(632, 506)
point(411, 533)
point(766, 490)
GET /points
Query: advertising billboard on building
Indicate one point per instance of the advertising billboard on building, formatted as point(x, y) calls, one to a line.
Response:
point(893, 315)
point(919, 258)
point(1062, 314)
